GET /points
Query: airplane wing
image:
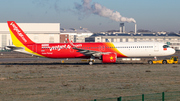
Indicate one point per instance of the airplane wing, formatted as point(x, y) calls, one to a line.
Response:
point(87, 52)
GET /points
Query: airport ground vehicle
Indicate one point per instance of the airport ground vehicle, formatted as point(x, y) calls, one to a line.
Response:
point(172, 60)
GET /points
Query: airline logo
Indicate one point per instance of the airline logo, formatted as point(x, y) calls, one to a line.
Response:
point(15, 28)
point(58, 47)
point(111, 58)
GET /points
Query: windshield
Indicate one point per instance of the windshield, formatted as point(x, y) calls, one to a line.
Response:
point(165, 46)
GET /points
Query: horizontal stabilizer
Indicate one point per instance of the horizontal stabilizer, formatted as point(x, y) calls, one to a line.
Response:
point(12, 47)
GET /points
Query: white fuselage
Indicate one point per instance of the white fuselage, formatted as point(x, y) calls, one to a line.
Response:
point(143, 49)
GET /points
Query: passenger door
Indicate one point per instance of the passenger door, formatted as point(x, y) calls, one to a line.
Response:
point(156, 47)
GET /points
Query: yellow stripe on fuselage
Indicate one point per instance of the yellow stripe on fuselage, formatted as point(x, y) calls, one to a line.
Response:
point(17, 43)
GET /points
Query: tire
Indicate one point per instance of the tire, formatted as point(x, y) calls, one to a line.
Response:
point(164, 62)
point(90, 63)
point(150, 62)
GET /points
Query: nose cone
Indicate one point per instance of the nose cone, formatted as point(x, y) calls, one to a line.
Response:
point(172, 51)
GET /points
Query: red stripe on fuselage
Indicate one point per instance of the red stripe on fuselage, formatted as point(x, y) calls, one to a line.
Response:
point(64, 50)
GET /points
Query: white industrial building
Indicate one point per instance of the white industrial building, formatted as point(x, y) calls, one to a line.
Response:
point(37, 32)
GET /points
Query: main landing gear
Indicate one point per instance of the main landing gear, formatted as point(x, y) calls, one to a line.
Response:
point(91, 60)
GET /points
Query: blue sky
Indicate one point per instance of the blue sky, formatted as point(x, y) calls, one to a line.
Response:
point(154, 15)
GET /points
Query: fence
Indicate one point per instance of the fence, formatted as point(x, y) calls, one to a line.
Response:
point(164, 96)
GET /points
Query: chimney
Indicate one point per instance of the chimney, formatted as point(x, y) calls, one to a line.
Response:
point(122, 28)
point(135, 31)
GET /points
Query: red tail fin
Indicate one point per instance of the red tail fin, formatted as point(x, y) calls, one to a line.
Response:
point(17, 35)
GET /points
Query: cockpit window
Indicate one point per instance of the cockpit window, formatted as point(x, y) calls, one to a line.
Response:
point(165, 46)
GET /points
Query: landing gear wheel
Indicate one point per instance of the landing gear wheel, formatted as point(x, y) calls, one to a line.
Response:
point(164, 62)
point(150, 62)
point(90, 62)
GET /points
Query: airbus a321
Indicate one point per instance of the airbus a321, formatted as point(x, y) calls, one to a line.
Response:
point(108, 52)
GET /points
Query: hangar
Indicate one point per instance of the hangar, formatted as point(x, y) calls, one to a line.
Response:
point(37, 32)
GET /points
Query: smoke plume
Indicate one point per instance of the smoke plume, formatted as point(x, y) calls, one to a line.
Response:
point(100, 10)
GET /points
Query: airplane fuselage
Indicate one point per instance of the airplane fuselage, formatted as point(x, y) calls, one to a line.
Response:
point(122, 49)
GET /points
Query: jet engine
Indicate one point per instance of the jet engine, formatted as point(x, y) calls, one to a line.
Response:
point(109, 58)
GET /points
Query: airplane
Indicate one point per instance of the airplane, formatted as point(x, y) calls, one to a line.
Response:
point(108, 52)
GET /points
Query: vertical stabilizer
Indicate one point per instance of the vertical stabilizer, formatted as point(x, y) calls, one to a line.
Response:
point(21, 42)
point(19, 38)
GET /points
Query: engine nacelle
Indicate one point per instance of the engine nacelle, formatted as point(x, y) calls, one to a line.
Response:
point(109, 58)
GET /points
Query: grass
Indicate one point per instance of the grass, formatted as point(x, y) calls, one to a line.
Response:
point(84, 82)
